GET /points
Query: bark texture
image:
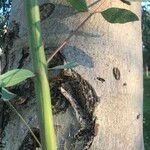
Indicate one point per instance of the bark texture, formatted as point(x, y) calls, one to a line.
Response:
point(104, 109)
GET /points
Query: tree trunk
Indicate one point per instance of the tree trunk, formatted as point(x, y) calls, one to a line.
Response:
point(101, 105)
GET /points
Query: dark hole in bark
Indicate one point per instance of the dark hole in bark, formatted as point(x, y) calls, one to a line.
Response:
point(116, 73)
point(126, 2)
point(125, 84)
point(138, 116)
point(100, 79)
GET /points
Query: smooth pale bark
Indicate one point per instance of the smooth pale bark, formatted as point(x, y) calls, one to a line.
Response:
point(98, 47)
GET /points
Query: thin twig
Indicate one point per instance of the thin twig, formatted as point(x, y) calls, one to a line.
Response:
point(22, 119)
point(72, 34)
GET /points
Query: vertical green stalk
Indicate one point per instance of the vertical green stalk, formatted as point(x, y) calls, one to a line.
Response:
point(48, 139)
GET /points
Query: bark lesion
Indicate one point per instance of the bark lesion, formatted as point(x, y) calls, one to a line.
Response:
point(116, 73)
point(83, 99)
point(25, 55)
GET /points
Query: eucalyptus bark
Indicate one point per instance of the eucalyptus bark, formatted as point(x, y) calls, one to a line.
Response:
point(110, 65)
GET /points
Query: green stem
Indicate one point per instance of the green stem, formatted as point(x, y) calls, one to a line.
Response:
point(42, 90)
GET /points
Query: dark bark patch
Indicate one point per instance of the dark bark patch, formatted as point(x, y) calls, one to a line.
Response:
point(58, 59)
point(100, 79)
point(126, 2)
point(24, 92)
point(4, 119)
point(25, 54)
point(59, 103)
point(138, 116)
point(29, 143)
point(9, 37)
point(116, 73)
point(125, 84)
point(46, 10)
point(13, 31)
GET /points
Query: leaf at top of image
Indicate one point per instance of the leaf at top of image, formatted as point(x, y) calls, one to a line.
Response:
point(14, 77)
point(119, 15)
point(79, 5)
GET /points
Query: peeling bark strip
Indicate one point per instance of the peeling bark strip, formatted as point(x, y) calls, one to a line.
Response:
point(116, 73)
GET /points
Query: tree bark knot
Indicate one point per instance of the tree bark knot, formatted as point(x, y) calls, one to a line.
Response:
point(71, 89)
point(83, 98)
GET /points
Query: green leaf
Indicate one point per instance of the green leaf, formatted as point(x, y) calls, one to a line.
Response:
point(7, 95)
point(79, 5)
point(118, 15)
point(66, 66)
point(14, 77)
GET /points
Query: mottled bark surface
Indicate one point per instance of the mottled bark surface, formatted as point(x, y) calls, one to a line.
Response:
point(105, 89)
